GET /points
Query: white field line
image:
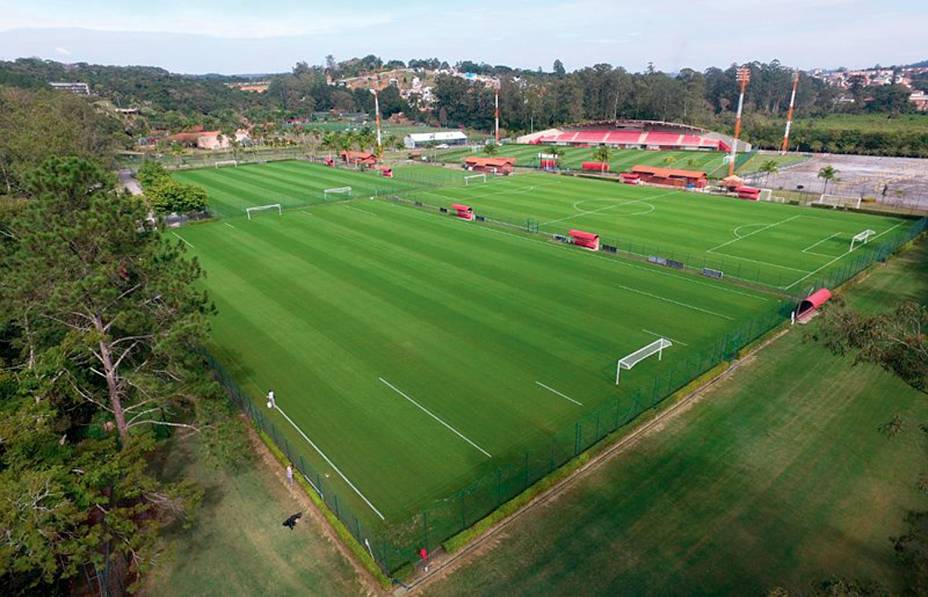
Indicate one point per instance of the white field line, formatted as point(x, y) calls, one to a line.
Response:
point(622, 204)
point(815, 271)
point(815, 244)
point(429, 413)
point(762, 262)
point(229, 225)
point(185, 241)
point(674, 340)
point(736, 230)
point(675, 302)
point(564, 396)
point(332, 464)
point(767, 227)
point(370, 213)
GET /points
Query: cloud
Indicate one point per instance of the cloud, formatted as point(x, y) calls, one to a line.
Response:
point(63, 51)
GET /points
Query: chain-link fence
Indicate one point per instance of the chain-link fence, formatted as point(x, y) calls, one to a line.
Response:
point(394, 544)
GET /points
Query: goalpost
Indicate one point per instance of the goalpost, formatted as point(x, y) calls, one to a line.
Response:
point(629, 361)
point(837, 201)
point(475, 178)
point(260, 208)
point(861, 238)
point(336, 191)
point(222, 163)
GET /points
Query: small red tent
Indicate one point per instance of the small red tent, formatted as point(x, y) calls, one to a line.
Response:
point(752, 193)
point(464, 212)
point(595, 166)
point(810, 305)
point(587, 240)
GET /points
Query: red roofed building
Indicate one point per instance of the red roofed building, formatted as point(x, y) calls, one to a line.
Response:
point(358, 158)
point(494, 165)
point(671, 177)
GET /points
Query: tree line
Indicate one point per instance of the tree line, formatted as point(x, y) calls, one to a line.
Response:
point(102, 319)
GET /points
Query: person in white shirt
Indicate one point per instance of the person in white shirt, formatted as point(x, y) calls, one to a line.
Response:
point(271, 400)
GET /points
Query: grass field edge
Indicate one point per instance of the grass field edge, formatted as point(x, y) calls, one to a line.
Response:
point(607, 447)
point(614, 443)
point(360, 554)
point(599, 453)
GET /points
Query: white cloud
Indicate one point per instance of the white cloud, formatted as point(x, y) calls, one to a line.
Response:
point(63, 51)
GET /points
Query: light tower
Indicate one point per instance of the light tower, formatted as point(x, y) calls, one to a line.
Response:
point(743, 76)
point(496, 89)
point(377, 120)
point(789, 114)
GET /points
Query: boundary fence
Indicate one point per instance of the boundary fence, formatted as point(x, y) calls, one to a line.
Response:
point(394, 545)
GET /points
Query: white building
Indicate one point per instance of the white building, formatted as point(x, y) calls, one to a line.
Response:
point(414, 140)
point(75, 87)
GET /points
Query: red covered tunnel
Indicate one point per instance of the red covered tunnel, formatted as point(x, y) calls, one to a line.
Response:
point(587, 240)
point(463, 211)
point(810, 305)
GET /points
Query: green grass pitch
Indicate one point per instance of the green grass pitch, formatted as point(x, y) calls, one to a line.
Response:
point(712, 162)
point(778, 245)
point(418, 352)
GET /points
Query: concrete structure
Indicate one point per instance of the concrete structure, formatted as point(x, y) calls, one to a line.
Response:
point(415, 140)
point(75, 87)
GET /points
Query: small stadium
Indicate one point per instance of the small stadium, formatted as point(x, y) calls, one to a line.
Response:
point(441, 338)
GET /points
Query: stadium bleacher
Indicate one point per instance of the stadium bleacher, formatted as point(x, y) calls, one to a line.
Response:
point(632, 138)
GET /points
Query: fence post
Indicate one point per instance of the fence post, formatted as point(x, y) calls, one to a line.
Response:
point(577, 438)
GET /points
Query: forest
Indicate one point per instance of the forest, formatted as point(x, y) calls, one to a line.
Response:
point(529, 99)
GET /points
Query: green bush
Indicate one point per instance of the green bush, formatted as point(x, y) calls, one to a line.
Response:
point(151, 173)
point(169, 196)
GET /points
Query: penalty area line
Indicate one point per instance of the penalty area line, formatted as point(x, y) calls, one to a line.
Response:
point(675, 341)
point(184, 240)
point(332, 464)
point(431, 414)
point(564, 396)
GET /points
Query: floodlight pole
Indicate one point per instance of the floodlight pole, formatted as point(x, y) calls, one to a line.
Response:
point(743, 76)
point(789, 114)
point(377, 120)
point(497, 111)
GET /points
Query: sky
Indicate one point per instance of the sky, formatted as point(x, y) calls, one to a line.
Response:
point(234, 36)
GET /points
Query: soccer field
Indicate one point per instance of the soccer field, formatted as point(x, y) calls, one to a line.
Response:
point(297, 184)
point(778, 245)
point(711, 162)
point(427, 368)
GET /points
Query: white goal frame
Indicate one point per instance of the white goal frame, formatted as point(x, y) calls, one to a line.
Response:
point(276, 206)
point(222, 163)
point(861, 238)
point(837, 201)
point(630, 360)
point(336, 191)
point(468, 179)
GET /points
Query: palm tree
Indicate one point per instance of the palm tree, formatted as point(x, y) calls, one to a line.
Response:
point(769, 167)
point(601, 154)
point(828, 174)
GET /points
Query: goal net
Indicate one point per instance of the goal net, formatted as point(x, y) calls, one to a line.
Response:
point(475, 178)
point(837, 201)
point(249, 211)
point(335, 192)
point(222, 163)
point(627, 362)
point(861, 238)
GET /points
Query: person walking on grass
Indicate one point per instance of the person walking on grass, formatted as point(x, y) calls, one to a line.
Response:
point(271, 399)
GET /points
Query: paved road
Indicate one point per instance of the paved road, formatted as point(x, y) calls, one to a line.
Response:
point(127, 181)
